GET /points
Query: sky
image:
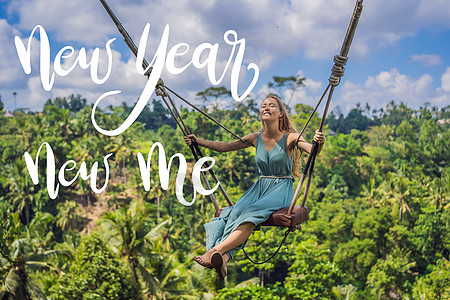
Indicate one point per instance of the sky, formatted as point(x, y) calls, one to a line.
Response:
point(400, 51)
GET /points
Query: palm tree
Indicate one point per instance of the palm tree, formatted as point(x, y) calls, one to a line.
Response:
point(37, 127)
point(86, 149)
point(25, 252)
point(401, 191)
point(439, 187)
point(371, 192)
point(171, 274)
point(68, 216)
point(122, 147)
point(21, 189)
point(64, 123)
point(289, 84)
point(80, 123)
point(129, 233)
point(22, 125)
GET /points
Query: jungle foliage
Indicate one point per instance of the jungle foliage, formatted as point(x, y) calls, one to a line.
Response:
point(379, 208)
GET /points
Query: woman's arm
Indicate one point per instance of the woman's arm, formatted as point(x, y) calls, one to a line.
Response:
point(319, 137)
point(248, 140)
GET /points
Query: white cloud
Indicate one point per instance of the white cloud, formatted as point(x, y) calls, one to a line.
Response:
point(377, 91)
point(123, 77)
point(34, 96)
point(392, 85)
point(77, 21)
point(313, 85)
point(8, 74)
point(274, 31)
point(427, 60)
point(306, 94)
point(385, 22)
point(12, 77)
point(442, 97)
point(445, 80)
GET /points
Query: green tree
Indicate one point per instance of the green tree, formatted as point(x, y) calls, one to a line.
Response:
point(22, 191)
point(393, 114)
point(311, 275)
point(94, 274)
point(355, 258)
point(286, 86)
point(211, 97)
point(23, 252)
point(439, 191)
point(436, 284)
point(153, 116)
point(402, 192)
point(371, 192)
point(130, 232)
point(430, 239)
point(248, 291)
point(354, 120)
point(390, 278)
point(76, 103)
point(341, 155)
point(302, 114)
point(68, 216)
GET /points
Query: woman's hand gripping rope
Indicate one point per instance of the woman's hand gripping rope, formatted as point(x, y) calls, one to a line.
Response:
point(319, 137)
point(190, 139)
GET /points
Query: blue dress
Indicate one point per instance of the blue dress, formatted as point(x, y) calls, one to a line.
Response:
point(264, 197)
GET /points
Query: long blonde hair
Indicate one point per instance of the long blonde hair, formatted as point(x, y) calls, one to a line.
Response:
point(285, 125)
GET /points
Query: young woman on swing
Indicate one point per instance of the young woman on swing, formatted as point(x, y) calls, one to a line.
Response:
point(277, 163)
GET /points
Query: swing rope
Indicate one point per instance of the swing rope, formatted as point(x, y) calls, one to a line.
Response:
point(337, 72)
point(194, 147)
point(206, 115)
point(286, 233)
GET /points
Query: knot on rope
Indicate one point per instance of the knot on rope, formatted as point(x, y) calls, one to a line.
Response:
point(337, 71)
point(159, 89)
point(295, 227)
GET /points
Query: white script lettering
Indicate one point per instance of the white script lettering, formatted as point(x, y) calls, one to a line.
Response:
point(51, 188)
point(164, 171)
point(48, 80)
point(160, 59)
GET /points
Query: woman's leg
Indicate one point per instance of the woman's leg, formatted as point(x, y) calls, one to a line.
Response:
point(236, 238)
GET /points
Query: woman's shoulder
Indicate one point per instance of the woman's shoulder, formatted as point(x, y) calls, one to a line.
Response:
point(291, 137)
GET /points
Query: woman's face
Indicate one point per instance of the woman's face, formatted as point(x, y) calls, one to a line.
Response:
point(270, 110)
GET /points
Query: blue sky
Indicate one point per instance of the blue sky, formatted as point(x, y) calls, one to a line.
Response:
point(400, 50)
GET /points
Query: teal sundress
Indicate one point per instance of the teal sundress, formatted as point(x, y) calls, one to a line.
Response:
point(264, 197)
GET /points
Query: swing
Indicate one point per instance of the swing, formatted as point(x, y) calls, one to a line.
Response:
point(293, 216)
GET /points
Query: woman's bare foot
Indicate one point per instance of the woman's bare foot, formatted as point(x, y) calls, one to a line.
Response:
point(202, 262)
point(205, 259)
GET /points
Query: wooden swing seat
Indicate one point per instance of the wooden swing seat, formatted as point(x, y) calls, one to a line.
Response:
point(281, 218)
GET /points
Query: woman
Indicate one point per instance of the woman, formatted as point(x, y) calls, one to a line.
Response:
point(277, 162)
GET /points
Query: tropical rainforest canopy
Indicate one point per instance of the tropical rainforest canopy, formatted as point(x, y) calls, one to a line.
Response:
point(379, 208)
